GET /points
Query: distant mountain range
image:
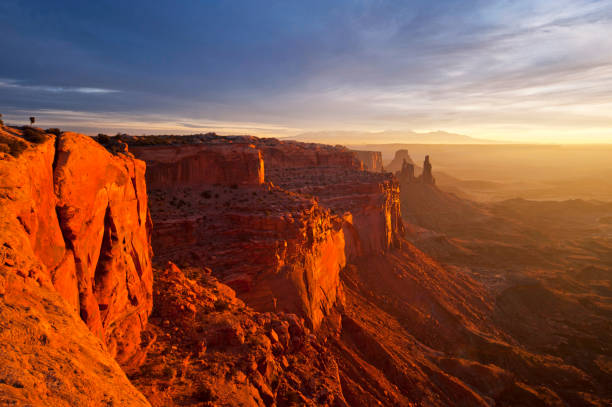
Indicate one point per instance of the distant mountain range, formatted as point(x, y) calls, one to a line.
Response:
point(389, 136)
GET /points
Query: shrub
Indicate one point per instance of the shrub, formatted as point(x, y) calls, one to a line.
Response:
point(54, 130)
point(33, 135)
point(206, 194)
point(102, 139)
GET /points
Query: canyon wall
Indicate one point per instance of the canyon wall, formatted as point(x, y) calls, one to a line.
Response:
point(371, 160)
point(398, 161)
point(280, 244)
point(75, 218)
point(293, 154)
point(188, 165)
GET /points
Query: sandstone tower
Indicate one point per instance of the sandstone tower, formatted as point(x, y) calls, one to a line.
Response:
point(427, 177)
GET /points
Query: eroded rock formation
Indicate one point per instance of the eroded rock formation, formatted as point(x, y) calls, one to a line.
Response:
point(282, 244)
point(192, 165)
point(226, 354)
point(371, 160)
point(293, 154)
point(427, 176)
point(74, 240)
point(79, 215)
point(406, 174)
point(398, 161)
point(48, 356)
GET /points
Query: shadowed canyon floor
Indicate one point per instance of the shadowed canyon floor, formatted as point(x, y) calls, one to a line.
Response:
point(286, 274)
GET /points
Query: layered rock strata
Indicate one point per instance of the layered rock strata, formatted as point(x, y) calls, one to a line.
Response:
point(371, 160)
point(281, 248)
point(368, 203)
point(192, 165)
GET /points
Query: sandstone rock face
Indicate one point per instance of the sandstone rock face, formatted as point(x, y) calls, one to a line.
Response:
point(371, 160)
point(427, 177)
point(292, 154)
point(79, 214)
point(280, 251)
point(398, 160)
point(281, 248)
point(189, 165)
point(406, 174)
point(368, 203)
point(48, 356)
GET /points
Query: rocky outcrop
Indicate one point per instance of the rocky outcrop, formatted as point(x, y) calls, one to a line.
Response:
point(48, 356)
point(427, 177)
point(406, 174)
point(293, 154)
point(368, 203)
point(280, 251)
point(195, 164)
point(371, 160)
point(398, 161)
point(275, 359)
point(79, 215)
point(280, 245)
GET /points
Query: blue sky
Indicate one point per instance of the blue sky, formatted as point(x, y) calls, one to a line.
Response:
point(514, 70)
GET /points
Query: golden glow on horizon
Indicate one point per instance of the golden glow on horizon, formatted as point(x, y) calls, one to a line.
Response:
point(565, 130)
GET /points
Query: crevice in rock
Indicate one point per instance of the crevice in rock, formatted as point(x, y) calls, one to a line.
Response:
point(55, 155)
point(23, 224)
point(106, 249)
point(67, 235)
point(133, 179)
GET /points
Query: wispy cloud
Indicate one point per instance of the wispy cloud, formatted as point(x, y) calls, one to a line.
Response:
point(506, 69)
point(112, 122)
point(20, 85)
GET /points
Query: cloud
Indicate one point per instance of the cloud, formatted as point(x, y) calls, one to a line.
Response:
point(14, 84)
point(487, 68)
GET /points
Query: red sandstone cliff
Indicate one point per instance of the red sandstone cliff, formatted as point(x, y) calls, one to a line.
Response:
point(293, 154)
point(77, 217)
point(322, 238)
point(282, 248)
point(190, 165)
point(398, 161)
point(371, 160)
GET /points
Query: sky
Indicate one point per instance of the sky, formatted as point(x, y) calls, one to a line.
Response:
point(521, 70)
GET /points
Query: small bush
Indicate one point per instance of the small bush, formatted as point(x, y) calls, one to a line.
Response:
point(206, 194)
point(54, 130)
point(33, 135)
